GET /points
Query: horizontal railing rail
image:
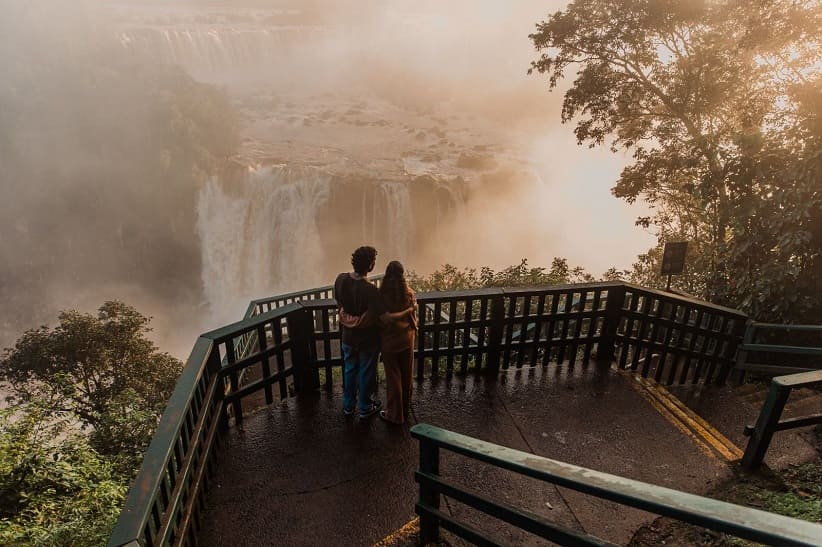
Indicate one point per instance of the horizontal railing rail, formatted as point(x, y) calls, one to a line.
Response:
point(770, 417)
point(775, 349)
point(319, 293)
point(743, 522)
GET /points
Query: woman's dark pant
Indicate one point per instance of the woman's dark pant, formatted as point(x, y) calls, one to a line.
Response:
point(398, 371)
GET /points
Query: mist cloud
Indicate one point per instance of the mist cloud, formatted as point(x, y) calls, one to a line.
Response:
point(105, 148)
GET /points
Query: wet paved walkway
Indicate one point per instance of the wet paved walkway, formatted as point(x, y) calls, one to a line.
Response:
point(302, 474)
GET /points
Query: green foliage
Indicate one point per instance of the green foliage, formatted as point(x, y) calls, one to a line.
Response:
point(55, 489)
point(793, 505)
point(794, 492)
point(451, 278)
point(86, 396)
point(775, 253)
point(100, 370)
point(720, 104)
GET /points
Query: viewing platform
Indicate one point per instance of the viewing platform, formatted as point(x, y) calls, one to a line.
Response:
point(254, 449)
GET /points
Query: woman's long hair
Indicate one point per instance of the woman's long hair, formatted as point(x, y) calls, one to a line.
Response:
point(393, 289)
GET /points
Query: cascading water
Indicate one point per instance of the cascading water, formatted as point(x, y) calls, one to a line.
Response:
point(281, 228)
point(285, 227)
point(213, 51)
point(261, 237)
point(400, 226)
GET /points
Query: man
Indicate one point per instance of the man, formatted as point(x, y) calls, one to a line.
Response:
point(358, 297)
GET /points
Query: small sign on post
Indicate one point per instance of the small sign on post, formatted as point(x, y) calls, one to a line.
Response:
point(673, 259)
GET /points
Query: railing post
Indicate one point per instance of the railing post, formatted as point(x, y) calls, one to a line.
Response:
point(606, 348)
point(303, 350)
point(214, 367)
point(766, 425)
point(742, 352)
point(496, 325)
point(234, 380)
point(739, 330)
point(429, 497)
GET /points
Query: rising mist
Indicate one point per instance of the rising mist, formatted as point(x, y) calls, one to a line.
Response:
point(186, 158)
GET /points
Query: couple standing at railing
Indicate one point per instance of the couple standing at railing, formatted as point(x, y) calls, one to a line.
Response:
point(374, 320)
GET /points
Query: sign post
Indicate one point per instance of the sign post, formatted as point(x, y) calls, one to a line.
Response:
point(673, 259)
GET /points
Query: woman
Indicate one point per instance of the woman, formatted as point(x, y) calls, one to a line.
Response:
point(397, 343)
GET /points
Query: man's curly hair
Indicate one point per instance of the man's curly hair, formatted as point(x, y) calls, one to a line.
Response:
point(363, 259)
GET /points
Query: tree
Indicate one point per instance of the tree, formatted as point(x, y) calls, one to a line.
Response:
point(706, 95)
point(55, 489)
point(775, 256)
point(99, 370)
point(451, 278)
point(85, 399)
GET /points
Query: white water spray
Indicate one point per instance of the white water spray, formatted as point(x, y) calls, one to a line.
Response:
point(396, 198)
point(269, 231)
point(261, 238)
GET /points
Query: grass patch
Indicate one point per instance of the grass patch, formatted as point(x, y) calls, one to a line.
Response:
point(794, 492)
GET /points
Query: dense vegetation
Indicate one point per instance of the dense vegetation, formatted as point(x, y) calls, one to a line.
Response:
point(720, 104)
point(451, 278)
point(85, 399)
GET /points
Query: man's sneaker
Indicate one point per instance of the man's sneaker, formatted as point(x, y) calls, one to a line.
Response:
point(348, 412)
point(375, 407)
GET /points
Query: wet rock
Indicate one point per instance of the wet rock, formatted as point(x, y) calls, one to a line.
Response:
point(476, 162)
point(438, 132)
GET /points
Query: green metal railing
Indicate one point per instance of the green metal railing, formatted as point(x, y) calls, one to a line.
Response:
point(716, 515)
point(165, 500)
point(672, 338)
point(799, 349)
point(769, 421)
point(291, 338)
point(162, 505)
point(247, 343)
point(326, 292)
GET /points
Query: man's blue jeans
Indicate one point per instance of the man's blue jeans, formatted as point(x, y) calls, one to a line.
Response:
point(360, 375)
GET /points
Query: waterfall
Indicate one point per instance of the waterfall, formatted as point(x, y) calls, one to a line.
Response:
point(208, 51)
point(281, 228)
point(262, 237)
point(400, 218)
